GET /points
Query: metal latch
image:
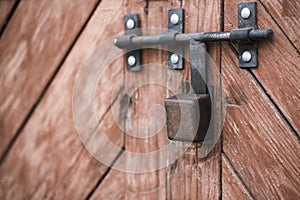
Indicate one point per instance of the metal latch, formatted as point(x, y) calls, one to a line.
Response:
point(192, 117)
point(246, 36)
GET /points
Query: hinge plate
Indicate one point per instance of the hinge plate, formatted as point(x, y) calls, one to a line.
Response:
point(247, 18)
point(133, 56)
point(176, 23)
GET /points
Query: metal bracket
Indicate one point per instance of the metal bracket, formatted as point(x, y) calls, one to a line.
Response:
point(176, 52)
point(133, 56)
point(246, 36)
point(247, 19)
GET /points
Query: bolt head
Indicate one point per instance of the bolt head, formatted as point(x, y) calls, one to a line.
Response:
point(245, 13)
point(131, 61)
point(130, 24)
point(246, 56)
point(174, 19)
point(174, 58)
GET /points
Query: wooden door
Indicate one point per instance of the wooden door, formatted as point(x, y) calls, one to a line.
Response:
point(43, 46)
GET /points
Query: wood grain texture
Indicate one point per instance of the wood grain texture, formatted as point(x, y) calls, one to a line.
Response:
point(146, 94)
point(32, 46)
point(49, 160)
point(286, 14)
point(278, 69)
point(191, 177)
point(232, 188)
point(258, 143)
point(112, 187)
point(5, 8)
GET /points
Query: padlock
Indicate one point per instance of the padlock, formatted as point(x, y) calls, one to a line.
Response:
point(188, 117)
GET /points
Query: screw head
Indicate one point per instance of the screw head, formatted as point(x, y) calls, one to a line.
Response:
point(246, 56)
point(130, 24)
point(115, 41)
point(131, 61)
point(174, 58)
point(174, 19)
point(245, 13)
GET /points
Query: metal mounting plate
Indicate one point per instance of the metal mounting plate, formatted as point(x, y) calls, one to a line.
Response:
point(179, 28)
point(133, 28)
point(251, 23)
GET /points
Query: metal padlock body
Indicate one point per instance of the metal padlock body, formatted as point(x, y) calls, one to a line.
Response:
point(188, 117)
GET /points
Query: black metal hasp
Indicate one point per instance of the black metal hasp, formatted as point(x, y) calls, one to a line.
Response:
point(176, 50)
point(133, 55)
point(246, 36)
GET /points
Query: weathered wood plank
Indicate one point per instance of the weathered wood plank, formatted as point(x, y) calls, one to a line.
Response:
point(5, 8)
point(148, 185)
point(232, 187)
point(32, 46)
point(278, 69)
point(48, 160)
point(257, 141)
point(191, 177)
point(286, 14)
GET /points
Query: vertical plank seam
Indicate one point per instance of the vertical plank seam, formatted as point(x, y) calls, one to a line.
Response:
point(238, 176)
point(101, 179)
point(284, 33)
point(39, 99)
point(221, 136)
point(9, 17)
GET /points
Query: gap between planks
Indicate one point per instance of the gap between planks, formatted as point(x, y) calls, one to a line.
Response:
point(101, 179)
point(284, 32)
point(267, 96)
point(226, 159)
point(9, 16)
point(220, 64)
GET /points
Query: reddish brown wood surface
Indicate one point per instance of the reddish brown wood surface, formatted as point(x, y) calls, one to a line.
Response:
point(260, 156)
point(49, 154)
point(112, 187)
point(286, 15)
point(148, 185)
point(31, 49)
point(278, 70)
point(258, 139)
point(5, 9)
point(258, 143)
point(232, 187)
